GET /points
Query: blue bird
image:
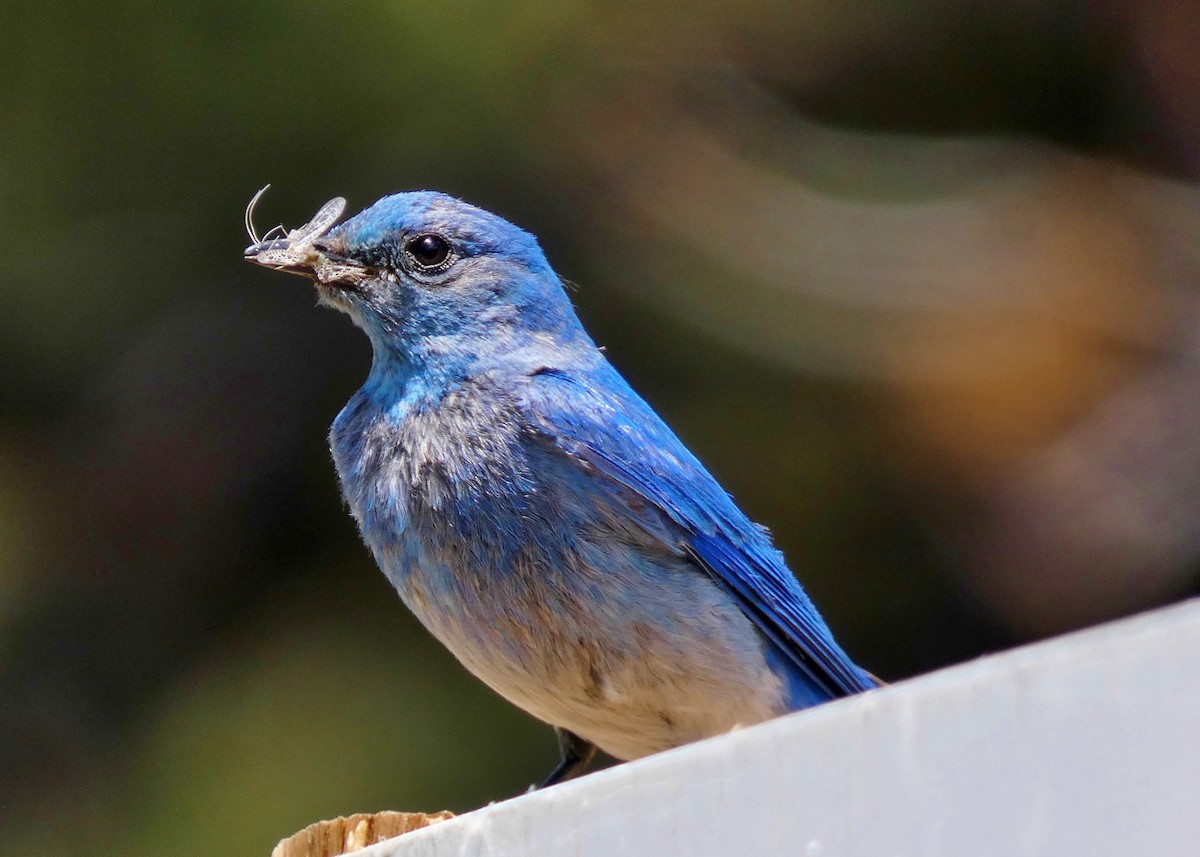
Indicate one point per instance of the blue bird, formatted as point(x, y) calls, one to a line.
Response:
point(532, 510)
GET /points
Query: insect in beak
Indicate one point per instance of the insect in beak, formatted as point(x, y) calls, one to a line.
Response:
point(300, 251)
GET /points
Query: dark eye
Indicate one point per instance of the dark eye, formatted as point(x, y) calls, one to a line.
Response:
point(428, 251)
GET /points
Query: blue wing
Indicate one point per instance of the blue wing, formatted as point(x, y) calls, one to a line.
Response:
point(597, 419)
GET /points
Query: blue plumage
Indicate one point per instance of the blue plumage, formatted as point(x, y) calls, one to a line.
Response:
point(532, 510)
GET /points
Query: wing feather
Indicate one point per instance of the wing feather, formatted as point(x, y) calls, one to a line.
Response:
point(598, 421)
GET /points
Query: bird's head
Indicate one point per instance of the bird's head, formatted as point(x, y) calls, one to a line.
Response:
point(424, 273)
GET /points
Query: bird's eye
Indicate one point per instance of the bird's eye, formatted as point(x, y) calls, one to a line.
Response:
point(428, 252)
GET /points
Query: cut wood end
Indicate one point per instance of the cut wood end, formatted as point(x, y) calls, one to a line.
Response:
point(343, 835)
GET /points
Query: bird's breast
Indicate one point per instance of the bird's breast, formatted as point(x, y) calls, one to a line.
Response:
point(442, 492)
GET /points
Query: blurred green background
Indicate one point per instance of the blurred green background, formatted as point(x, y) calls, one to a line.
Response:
point(916, 279)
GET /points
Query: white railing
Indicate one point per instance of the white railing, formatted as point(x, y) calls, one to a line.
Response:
point(1083, 746)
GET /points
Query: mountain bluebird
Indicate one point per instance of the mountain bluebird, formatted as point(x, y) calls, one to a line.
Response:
point(533, 512)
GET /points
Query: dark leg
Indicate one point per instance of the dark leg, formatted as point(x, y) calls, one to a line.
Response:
point(576, 754)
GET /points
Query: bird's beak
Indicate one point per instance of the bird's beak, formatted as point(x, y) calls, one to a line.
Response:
point(312, 259)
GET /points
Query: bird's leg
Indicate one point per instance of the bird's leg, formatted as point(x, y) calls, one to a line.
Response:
point(576, 754)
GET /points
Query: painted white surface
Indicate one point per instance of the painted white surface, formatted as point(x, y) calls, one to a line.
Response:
point(1085, 745)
